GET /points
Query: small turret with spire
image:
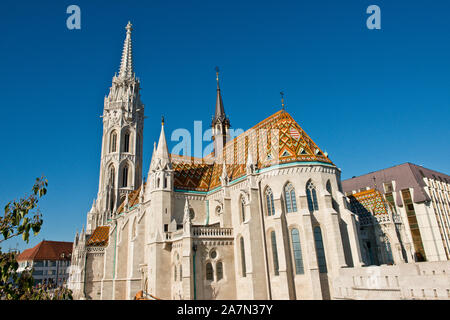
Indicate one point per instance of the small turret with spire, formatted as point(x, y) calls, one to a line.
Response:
point(220, 123)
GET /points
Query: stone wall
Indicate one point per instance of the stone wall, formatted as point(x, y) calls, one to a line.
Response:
point(421, 281)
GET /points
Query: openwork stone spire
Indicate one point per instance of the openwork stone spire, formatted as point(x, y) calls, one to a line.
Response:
point(126, 65)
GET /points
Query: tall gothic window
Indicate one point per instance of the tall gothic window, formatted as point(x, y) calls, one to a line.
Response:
point(209, 272)
point(320, 250)
point(289, 195)
point(219, 270)
point(297, 249)
point(312, 196)
point(181, 273)
point(174, 273)
point(113, 142)
point(242, 202)
point(125, 176)
point(126, 142)
point(274, 253)
point(112, 176)
point(269, 202)
point(244, 269)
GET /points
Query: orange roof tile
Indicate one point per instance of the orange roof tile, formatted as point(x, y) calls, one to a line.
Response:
point(368, 202)
point(133, 199)
point(47, 250)
point(99, 237)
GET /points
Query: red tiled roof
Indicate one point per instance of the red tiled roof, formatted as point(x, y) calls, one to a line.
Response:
point(99, 237)
point(47, 250)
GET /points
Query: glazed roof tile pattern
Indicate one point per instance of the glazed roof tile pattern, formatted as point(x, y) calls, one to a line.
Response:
point(99, 237)
point(276, 140)
point(368, 202)
point(133, 199)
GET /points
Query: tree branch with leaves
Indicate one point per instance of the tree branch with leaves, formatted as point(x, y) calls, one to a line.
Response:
point(20, 219)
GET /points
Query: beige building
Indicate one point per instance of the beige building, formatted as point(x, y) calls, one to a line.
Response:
point(419, 199)
point(262, 217)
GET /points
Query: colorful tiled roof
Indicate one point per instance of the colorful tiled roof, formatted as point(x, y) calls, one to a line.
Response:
point(133, 199)
point(99, 237)
point(261, 140)
point(368, 202)
point(47, 250)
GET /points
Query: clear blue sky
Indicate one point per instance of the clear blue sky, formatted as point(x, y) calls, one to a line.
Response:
point(370, 98)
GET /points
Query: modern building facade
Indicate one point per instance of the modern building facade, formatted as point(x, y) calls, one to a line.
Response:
point(419, 200)
point(50, 261)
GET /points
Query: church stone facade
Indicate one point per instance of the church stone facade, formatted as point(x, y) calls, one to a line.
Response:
point(262, 217)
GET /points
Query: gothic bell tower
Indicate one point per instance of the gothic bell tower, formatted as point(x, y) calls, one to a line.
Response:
point(122, 142)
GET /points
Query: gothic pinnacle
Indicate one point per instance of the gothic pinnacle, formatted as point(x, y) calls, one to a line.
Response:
point(126, 64)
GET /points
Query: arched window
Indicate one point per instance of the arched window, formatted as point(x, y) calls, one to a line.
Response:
point(175, 273)
point(125, 176)
point(274, 253)
point(181, 272)
point(113, 142)
point(158, 182)
point(269, 202)
point(219, 270)
point(244, 270)
point(320, 250)
point(312, 197)
point(209, 272)
point(297, 249)
point(165, 182)
point(289, 195)
point(126, 142)
point(242, 202)
point(112, 176)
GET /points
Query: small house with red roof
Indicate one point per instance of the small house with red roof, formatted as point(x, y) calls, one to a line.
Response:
point(50, 261)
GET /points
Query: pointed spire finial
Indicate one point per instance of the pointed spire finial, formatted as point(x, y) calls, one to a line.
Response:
point(162, 120)
point(282, 100)
point(126, 64)
point(162, 155)
point(220, 111)
point(187, 216)
point(129, 27)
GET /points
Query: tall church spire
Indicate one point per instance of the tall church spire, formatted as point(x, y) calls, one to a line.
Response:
point(220, 111)
point(126, 65)
point(220, 123)
point(122, 141)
